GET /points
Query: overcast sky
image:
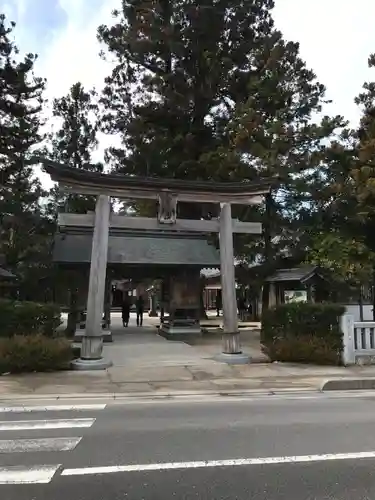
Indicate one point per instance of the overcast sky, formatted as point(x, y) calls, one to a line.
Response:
point(335, 36)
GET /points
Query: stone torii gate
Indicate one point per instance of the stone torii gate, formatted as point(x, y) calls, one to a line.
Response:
point(168, 192)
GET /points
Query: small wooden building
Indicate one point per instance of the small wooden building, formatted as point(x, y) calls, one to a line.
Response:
point(298, 284)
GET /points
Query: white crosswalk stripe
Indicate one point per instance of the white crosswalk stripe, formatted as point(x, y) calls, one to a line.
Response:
point(28, 475)
point(40, 444)
point(11, 443)
point(24, 425)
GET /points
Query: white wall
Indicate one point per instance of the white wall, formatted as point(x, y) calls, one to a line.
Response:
point(353, 309)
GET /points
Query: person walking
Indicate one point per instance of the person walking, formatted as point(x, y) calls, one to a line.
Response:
point(219, 303)
point(125, 311)
point(241, 307)
point(140, 305)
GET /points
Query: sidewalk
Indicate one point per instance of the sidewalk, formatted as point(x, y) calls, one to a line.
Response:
point(145, 364)
point(205, 378)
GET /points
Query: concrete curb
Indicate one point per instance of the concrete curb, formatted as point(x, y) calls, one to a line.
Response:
point(349, 384)
point(158, 396)
point(331, 385)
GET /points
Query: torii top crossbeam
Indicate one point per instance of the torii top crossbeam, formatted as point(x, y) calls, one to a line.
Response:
point(83, 181)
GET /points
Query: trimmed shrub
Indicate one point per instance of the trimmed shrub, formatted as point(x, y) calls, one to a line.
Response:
point(303, 333)
point(34, 353)
point(28, 318)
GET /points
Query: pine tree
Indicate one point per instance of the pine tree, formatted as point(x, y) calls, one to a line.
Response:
point(22, 226)
point(363, 173)
point(277, 138)
point(360, 191)
point(75, 140)
point(182, 67)
point(344, 242)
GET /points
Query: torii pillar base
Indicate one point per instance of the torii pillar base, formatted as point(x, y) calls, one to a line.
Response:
point(233, 359)
point(91, 355)
point(90, 364)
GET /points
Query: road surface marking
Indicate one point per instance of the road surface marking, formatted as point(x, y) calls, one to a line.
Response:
point(41, 444)
point(41, 474)
point(69, 423)
point(29, 409)
point(216, 463)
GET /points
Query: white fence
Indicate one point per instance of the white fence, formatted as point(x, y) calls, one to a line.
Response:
point(359, 341)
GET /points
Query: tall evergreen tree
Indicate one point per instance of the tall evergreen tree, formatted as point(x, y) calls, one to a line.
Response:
point(22, 226)
point(74, 140)
point(345, 241)
point(363, 171)
point(278, 134)
point(182, 66)
point(360, 192)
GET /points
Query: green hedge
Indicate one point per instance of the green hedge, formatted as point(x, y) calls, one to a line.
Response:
point(303, 333)
point(28, 318)
point(34, 353)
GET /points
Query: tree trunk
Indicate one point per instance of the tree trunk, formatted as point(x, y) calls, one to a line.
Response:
point(267, 248)
point(360, 303)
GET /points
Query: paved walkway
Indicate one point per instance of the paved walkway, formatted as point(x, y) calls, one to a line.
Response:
point(145, 363)
point(144, 347)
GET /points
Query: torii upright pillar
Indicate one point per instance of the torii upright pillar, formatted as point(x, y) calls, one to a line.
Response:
point(92, 340)
point(232, 353)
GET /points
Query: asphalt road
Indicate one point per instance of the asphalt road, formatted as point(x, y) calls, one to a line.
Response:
point(317, 447)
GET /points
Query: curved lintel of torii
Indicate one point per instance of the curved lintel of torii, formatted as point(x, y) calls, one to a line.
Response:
point(82, 181)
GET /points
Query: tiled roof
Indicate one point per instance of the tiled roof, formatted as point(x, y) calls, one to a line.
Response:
point(137, 249)
point(302, 273)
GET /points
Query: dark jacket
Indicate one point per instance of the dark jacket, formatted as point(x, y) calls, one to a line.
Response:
point(140, 304)
point(125, 309)
point(241, 304)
